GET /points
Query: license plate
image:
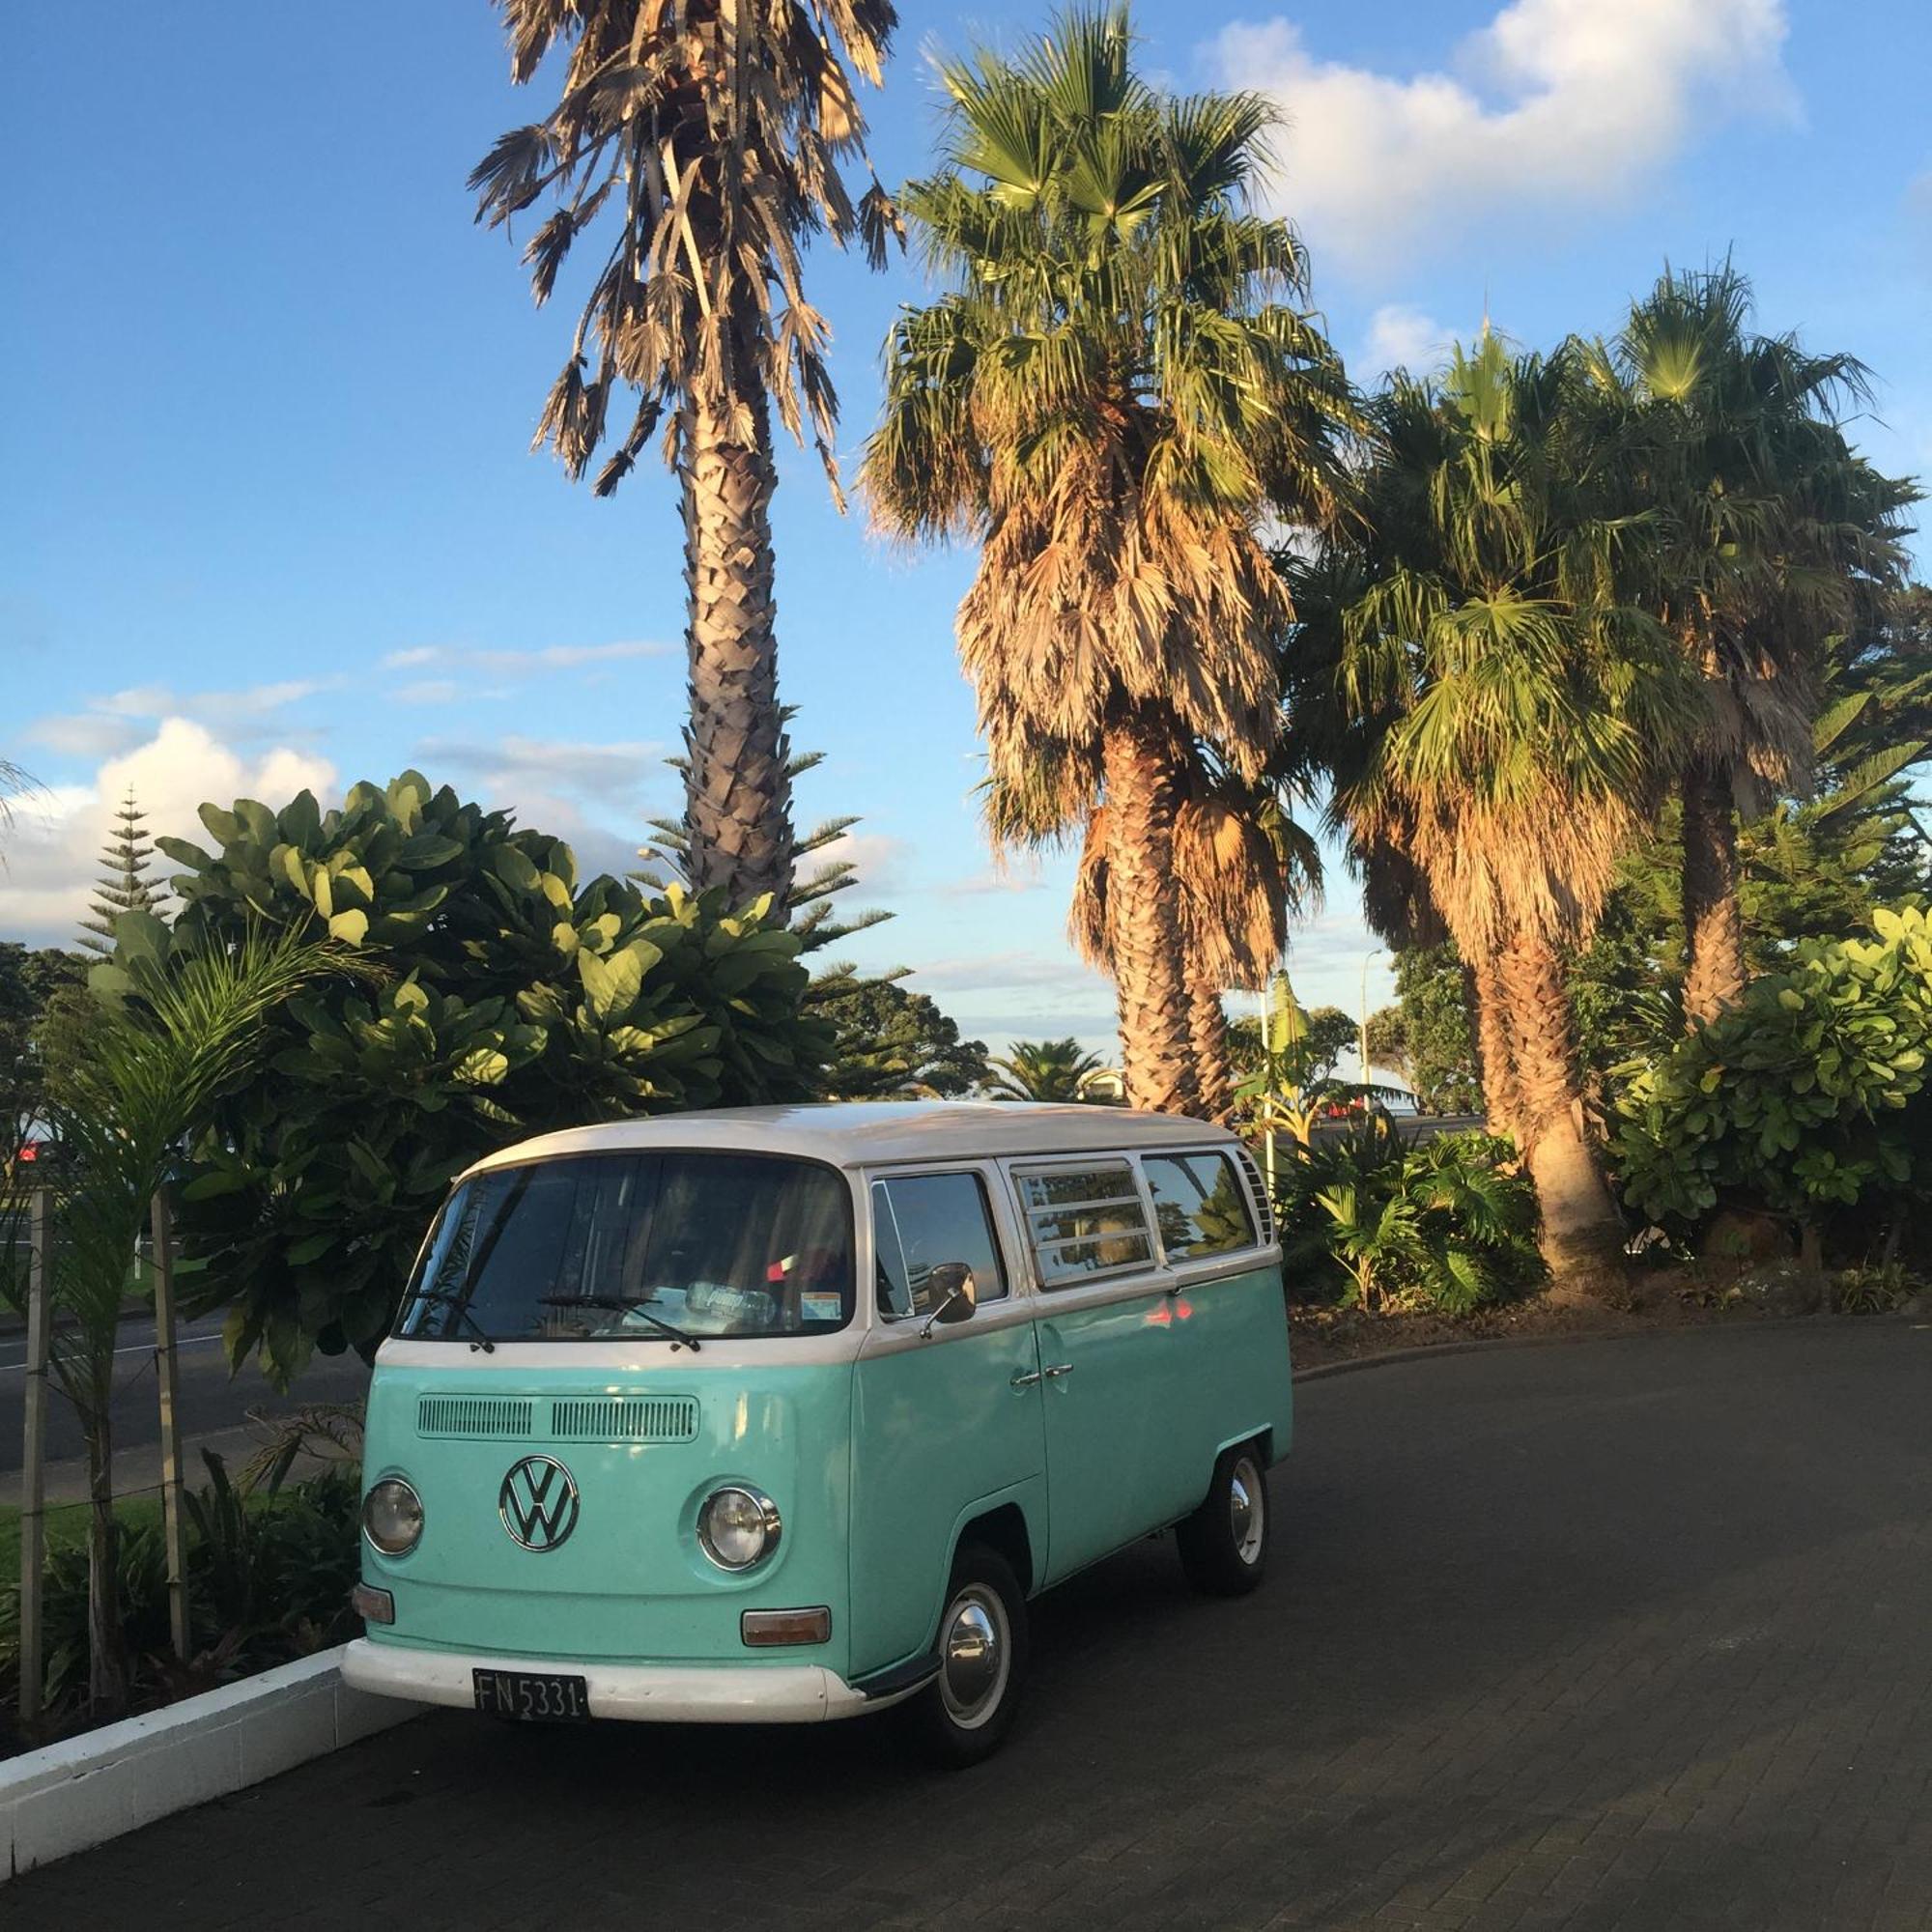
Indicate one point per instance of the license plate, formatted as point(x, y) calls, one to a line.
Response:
point(531, 1696)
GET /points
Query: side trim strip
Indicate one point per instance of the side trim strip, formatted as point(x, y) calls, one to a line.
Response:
point(897, 1679)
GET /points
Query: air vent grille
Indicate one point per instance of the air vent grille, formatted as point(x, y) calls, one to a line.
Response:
point(1260, 1193)
point(638, 1418)
point(486, 1415)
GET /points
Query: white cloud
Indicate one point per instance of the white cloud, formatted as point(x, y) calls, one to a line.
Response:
point(52, 855)
point(1564, 104)
point(987, 971)
point(1401, 337)
point(1919, 196)
point(512, 770)
point(429, 690)
point(552, 656)
point(113, 724)
point(994, 880)
point(878, 861)
point(85, 734)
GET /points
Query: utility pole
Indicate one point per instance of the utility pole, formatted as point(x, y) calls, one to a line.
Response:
point(1363, 1022)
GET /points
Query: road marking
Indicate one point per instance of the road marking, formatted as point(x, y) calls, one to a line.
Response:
point(141, 1348)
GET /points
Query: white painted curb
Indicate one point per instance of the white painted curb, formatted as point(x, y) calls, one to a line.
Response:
point(93, 1787)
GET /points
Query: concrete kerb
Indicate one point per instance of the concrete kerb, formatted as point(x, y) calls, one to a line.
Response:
point(89, 1789)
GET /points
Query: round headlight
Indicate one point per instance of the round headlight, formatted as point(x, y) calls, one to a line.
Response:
point(392, 1516)
point(738, 1527)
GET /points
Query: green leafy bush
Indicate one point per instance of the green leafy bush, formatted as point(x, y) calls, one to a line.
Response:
point(1448, 1223)
point(512, 1000)
point(269, 1578)
point(1809, 1095)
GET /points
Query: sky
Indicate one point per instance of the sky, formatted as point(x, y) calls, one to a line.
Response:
point(268, 515)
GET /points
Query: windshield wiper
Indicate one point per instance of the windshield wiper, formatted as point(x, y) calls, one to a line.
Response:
point(444, 1298)
point(679, 1338)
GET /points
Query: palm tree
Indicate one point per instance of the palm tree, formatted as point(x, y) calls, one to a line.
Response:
point(1042, 1069)
point(1773, 536)
point(711, 135)
point(1520, 716)
point(1242, 866)
point(179, 1028)
point(1109, 395)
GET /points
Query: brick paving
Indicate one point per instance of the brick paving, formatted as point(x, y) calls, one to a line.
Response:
point(1632, 1635)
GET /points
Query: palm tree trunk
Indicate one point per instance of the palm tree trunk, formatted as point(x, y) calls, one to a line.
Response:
point(1582, 1231)
point(1208, 1029)
point(737, 791)
point(1156, 1041)
point(1496, 1058)
point(106, 1661)
point(1713, 930)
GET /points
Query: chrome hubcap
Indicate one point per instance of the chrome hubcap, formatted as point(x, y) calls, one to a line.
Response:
point(974, 1657)
point(1248, 1511)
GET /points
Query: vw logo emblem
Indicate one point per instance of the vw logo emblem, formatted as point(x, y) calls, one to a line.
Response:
point(538, 1503)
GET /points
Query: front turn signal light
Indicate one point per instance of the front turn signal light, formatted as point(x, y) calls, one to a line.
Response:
point(765, 1629)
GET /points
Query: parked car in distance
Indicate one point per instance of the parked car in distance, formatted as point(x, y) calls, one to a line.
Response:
point(782, 1415)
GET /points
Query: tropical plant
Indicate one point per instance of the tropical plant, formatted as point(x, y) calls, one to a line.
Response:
point(269, 1576)
point(1042, 1069)
point(182, 1026)
point(811, 902)
point(890, 1043)
point(1810, 1095)
point(1767, 534)
point(1112, 393)
point(710, 139)
point(1426, 1037)
point(1289, 1085)
point(513, 998)
point(30, 984)
point(1514, 717)
point(15, 783)
point(1447, 1223)
point(126, 883)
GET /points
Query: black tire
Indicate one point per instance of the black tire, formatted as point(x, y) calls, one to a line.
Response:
point(1224, 1545)
point(950, 1727)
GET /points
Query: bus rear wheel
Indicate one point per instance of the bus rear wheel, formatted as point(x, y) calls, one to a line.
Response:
point(1224, 1545)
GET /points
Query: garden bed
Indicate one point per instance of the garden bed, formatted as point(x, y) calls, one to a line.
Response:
point(268, 1577)
point(1667, 1298)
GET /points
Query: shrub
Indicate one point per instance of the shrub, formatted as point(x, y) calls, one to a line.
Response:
point(513, 1000)
point(1446, 1223)
point(269, 1578)
point(1809, 1095)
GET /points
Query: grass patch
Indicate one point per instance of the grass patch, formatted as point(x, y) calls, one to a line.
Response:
point(66, 1524)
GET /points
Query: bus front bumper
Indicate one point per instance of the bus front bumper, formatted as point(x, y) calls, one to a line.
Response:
point(652, 1693)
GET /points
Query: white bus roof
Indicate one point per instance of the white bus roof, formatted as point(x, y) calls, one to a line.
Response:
point(868, 1133)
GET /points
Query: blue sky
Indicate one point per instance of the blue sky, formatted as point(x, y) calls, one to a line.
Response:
point(267, 513)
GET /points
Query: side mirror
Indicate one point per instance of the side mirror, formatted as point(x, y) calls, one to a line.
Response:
point(954, 1294)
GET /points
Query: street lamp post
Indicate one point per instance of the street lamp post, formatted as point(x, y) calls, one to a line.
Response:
point(1363, 1023)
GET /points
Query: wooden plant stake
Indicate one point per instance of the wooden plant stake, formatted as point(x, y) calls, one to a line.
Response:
point(165, 1363)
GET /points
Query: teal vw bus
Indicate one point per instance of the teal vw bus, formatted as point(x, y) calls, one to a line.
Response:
point(779, 1414)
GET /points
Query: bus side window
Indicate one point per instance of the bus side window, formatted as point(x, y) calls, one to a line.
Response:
point(921, 1221)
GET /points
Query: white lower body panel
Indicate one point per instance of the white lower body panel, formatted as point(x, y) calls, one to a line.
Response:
point(652, 1693)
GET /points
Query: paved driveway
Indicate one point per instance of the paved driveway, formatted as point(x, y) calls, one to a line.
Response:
point(1633, 1633)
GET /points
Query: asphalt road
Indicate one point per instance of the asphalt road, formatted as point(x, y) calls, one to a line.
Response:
point(210, 1400)
point(1624, 1634)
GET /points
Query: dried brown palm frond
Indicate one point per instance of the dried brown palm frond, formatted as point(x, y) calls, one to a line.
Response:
point(703, 145)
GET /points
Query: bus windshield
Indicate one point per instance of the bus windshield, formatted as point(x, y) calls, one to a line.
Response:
point(672, 1246)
